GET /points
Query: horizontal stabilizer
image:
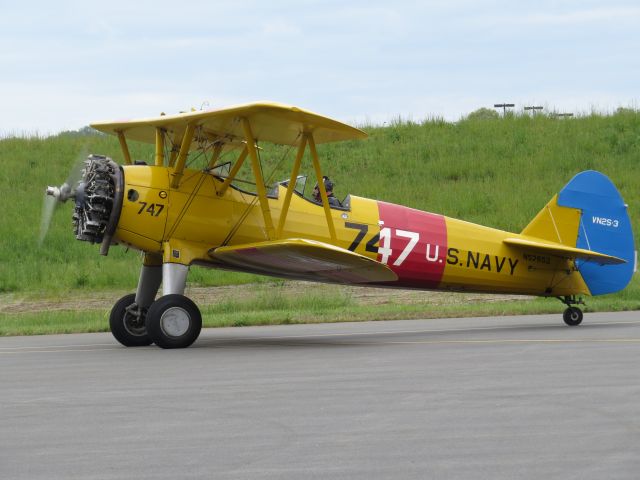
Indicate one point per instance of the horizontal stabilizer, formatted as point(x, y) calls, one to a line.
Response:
point(559, 250)
point(303, 259)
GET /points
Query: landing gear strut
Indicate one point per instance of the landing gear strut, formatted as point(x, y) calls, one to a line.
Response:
point(572, 316)
point(172, 321)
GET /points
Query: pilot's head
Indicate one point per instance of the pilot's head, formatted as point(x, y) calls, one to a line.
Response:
point(328, 186)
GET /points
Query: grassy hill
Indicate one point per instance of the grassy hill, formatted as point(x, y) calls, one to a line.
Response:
point(496, 171)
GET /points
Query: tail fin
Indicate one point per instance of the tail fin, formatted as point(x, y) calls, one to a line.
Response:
point(589, 213)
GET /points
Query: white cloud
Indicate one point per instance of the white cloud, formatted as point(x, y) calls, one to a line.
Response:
point(594, 15)
point(73, 62)
point(280, 27)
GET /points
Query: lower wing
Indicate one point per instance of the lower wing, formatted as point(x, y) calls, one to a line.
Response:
point(303, 259)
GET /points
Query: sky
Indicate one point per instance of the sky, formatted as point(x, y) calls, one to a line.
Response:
point(65, 64)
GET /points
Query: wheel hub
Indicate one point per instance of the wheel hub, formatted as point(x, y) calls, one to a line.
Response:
point(134, 321)
point(175, 322)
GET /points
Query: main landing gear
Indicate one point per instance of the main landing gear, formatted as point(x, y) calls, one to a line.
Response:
point(572, 316)
point(172, 321)
point(127, 322)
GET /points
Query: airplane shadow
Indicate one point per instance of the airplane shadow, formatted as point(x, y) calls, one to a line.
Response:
point(366, 339)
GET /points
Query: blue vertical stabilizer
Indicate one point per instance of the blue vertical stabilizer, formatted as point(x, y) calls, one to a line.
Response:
point(604, 227)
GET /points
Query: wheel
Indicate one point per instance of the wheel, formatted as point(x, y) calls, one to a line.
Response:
point(572, 316)
point(173, 321)
point(127, 323)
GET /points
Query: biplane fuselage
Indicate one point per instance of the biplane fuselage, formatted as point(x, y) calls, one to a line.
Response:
point(581, 242)
point(425, 250)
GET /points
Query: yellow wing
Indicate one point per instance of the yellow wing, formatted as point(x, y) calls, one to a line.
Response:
point(270, 122)
point(303, 259)
point(560, 250)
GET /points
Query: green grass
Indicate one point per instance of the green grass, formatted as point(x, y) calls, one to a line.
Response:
point(497, 172)
point(274, 305)
point(46, 323)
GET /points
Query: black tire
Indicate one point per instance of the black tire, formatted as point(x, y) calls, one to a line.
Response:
point(173, 321)
point(572, 316)
point(128, 329)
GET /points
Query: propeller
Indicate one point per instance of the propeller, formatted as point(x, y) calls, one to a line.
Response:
point(48, 206)
point(55, 196)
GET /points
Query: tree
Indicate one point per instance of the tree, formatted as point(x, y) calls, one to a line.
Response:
point(483, 114)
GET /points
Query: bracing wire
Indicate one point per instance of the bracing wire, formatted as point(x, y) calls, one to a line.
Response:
point(251, 204)
point(201, 153)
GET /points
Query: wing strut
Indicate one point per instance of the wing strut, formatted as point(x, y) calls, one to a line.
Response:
point(124, 147)
point(307, 138)
point(182, 156)
point(292, 185)
point(257, 173)
point(234, 171)
point(323, 191)
point(175, 148)
point(159, 147)
point(217, 150)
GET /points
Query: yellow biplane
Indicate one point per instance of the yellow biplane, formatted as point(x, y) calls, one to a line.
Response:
point(580, 243)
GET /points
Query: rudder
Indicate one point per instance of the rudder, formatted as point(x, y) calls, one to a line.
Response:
point(604, 227)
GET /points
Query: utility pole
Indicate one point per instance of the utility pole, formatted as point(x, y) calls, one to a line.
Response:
point(533, 108)
point(504, 107)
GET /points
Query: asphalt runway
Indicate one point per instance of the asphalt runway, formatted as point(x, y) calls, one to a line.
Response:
point(478, 398)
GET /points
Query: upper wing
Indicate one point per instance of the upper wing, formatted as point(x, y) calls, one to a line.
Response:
point(270, 122)
point(560, 250)
point(304, 259)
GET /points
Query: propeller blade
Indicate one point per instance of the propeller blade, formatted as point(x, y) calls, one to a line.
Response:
point(76, 170)
point(56, 195)
point(48, 206)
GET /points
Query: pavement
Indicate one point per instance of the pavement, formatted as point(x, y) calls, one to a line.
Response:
point(484, 398)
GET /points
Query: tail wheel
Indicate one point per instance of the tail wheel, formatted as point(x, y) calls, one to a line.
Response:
point(173, 321)
point(127, 323)
point(572, 316)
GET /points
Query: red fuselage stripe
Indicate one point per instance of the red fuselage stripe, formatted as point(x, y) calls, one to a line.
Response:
point(413, 244)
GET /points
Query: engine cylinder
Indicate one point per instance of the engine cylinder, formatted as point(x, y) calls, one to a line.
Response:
point(98, 198)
